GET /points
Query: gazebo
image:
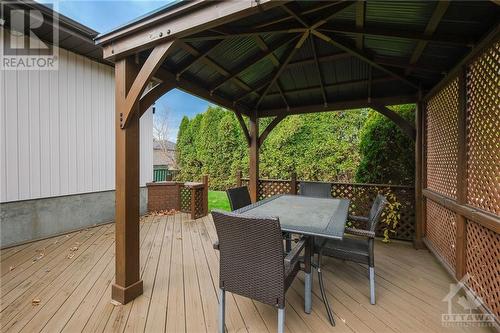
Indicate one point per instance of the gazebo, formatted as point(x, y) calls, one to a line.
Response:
point(267, 58)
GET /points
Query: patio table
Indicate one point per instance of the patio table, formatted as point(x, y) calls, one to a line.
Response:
point(307, 216)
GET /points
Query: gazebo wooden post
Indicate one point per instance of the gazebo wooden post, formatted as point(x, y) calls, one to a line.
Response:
point(419, 206)
point(254, 157)
point(131, 81)
point(128, 283)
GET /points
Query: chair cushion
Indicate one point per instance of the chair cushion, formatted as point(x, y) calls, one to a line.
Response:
point(352, 249)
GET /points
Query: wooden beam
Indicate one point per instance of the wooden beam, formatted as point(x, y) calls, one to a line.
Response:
point(148, 69)
point(403, 63)
point(214, 65)
point(419, 212)
point(187, 18)
point(251, 62)
point(318, 72)
point(243, 126)
point(360, 22)
point(198, 58)
point(309, 11)
point(294, 15)
point(128, 284)
point(487, 40)
point(363, 57)
point(263, 46)
point(283, 97)
point(152, 96)
point(448, 39)
point(337, 85)
point(437, 15)
point(263, 83)
point(339, 7)
point(198, 90)
point(238, 33)
point(269, 128)
point(340, 105)
point(253, 171)
point(328, 58)
point(404, 125)
point(485, 219)
point(282, 67)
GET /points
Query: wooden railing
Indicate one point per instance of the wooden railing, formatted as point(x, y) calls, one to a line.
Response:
point(361, 196)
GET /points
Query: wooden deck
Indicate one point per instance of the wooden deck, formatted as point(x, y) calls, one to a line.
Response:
point(63, 284)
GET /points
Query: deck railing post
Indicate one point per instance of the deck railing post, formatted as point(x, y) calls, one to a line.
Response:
point(238, 178)
point(205, 194)
point(293, 183)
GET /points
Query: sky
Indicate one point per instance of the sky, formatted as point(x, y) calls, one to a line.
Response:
point(105, 15)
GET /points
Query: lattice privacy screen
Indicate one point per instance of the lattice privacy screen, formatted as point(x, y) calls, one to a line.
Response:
point(482, 247)
point(442, 140)
point(441, 231)
point(483, 264)
point(483, 132)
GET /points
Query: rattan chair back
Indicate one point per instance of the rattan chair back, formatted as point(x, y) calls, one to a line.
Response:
point(315, 189)
point(251, 257)
point(376, 211)
point(239, 197)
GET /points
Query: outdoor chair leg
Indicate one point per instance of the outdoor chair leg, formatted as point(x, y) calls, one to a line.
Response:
point(281, 320)
point(323, 292)
point(222, 309)
point(372, 285)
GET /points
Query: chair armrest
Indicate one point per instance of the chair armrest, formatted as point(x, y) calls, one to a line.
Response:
point(216, 245)
point(360, 232)
point(358, 218)
point(294, 253)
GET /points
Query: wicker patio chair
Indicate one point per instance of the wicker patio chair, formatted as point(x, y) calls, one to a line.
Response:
point(359, 248)
point(238, 197)
point(253, 262)
point(314, 189)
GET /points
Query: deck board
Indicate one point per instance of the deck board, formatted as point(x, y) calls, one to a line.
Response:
point(179, 268)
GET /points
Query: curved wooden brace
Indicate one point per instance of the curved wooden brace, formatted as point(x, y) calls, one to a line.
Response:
point(147, 71)
point(402, 123)
point(243, 126)
point(269, 128)
point(152, 95)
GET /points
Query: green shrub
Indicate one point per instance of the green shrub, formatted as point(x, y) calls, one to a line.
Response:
point(387, 154)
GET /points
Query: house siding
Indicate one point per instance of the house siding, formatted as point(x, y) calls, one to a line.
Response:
point(57, 131)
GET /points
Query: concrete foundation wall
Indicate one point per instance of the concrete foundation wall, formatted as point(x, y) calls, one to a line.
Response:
point(23, 221)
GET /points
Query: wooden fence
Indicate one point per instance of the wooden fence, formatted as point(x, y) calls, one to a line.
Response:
point(361, 196)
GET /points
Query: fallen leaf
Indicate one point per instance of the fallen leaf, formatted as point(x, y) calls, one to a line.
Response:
point(70, 256)
point(35, 301)
point(74, 248)
point(11, 268)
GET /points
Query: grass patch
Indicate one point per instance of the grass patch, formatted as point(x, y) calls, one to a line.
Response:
point(218, 200)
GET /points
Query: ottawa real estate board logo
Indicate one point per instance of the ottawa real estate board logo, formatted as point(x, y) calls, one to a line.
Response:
point(29, 38)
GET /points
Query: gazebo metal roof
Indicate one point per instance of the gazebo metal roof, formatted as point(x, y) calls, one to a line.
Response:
point(308, 56)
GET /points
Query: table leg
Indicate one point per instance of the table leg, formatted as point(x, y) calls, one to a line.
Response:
point(308, 275)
